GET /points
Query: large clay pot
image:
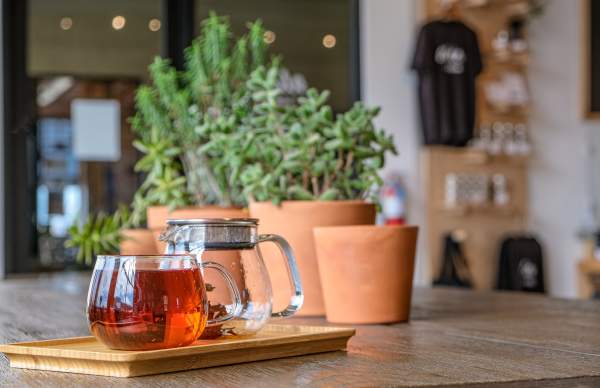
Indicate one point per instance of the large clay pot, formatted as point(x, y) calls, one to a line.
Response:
point(137, 242)
point(157, 217)
point(367, 272)
point(294, 221)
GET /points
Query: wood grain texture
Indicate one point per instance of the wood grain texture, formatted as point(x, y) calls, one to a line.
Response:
point(455, 337)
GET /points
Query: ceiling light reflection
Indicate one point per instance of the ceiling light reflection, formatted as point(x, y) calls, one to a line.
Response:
point(66, 23)
point(269, 37)
point(329, 41)
point(154, 25)
point(118, 22)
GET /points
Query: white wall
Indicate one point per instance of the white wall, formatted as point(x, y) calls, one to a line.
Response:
point(387, 39)
point(562, 169)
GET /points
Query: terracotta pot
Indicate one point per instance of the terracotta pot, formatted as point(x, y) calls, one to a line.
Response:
point(157, 217)
point(367, 272)
point(295, 220)
point(137, 242)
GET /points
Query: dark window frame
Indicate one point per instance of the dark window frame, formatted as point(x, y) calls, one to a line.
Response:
point(20, 251)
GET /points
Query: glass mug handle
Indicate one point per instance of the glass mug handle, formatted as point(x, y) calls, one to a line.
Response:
point(235, 294)
point(297, 297)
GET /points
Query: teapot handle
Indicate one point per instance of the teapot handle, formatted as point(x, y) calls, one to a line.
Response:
point(235, 294)
point(297, 297)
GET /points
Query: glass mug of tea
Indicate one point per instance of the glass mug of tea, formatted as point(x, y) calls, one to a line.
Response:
point(234, 243)
point(152, 302)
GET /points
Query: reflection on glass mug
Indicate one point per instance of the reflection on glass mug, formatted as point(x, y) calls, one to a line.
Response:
point(152, 302)
point(234, 243)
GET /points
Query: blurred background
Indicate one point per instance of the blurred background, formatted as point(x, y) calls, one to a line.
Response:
point(529, 170)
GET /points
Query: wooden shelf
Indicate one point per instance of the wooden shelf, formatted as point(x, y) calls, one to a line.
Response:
point(472, 156)
point(509, 110)
point(590, 266)
point(473, 5)
point(588, 277)
point(510, 58)
point(518, 160)
point(481, 210)
point(485, 226)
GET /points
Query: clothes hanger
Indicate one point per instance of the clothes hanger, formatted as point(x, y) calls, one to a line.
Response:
point(524, 230)
point(450, 9)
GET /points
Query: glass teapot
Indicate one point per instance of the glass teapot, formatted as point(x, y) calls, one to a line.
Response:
point(233, 243)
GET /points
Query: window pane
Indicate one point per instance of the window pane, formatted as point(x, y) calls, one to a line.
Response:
point(93, 38)
point(301, 30)
point(90, 54)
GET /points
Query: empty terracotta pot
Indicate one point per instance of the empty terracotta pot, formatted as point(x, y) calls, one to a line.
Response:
point(158, 215)
point(366, 272)
point(137, 242)
point(295, 220)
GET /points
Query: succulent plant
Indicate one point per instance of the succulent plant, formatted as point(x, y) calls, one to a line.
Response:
point(300, 151)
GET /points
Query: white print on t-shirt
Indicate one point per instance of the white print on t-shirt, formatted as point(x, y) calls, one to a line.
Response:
point(529, 272)
point(451, 57)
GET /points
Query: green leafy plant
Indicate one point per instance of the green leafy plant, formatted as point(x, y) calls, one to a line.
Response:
point(216, 133)
point(101, 234)
point(176, 113)
point(301, 151)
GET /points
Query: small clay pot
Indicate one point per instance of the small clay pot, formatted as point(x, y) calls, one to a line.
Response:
point(294, 221)
point(366, 272)
point(157, 217)
point(137, 242)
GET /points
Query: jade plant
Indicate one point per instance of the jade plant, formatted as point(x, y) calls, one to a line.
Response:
point(301, 151)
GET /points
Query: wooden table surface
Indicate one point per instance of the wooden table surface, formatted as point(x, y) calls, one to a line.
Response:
point(455, 337)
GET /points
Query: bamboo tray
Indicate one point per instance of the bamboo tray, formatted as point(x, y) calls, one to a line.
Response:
point(87, 355)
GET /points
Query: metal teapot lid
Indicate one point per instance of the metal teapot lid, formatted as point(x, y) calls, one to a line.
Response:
point(215, 221)
point(209, 233)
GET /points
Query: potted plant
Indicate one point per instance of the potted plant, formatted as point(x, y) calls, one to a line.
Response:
point(206, 101)
point(217, 136)
point(120, 232)
point(176, 114)
point(301, 166)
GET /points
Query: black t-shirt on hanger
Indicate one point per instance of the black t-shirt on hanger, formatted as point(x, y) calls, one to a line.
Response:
point(447, 60)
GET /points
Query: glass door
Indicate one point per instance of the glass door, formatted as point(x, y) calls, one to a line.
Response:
point(72, 152)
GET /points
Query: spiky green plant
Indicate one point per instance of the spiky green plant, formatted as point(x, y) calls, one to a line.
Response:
point(176, 113)
point(186, 108)
point(101, 234)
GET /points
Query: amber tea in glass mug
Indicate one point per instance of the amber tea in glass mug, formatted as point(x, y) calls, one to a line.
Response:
point(151, 302)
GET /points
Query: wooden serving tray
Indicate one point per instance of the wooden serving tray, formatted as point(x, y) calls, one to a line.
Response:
point(87, 355)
